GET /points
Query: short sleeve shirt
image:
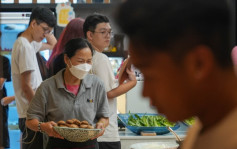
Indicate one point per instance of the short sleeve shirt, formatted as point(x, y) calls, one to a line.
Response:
point(102, 68)
point(24, 59)
point(53, 102)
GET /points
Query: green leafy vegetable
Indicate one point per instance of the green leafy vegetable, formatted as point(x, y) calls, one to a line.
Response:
point(190, 121)
point(148, 121)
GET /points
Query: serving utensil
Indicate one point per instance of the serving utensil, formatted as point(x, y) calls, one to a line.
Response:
point(178, 140)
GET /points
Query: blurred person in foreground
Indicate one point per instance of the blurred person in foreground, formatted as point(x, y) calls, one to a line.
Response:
point(74, 29)
point(234, 58)
point(26, 75)
point(183, 48)
point(70, 94)
point(98, 32)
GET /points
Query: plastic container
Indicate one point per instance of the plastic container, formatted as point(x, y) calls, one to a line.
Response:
point(138, 130)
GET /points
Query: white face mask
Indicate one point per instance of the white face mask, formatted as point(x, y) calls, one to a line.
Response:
point(80, 71)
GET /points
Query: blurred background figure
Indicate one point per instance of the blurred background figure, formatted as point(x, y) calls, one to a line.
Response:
point(25, 70)
point(74, 29)
point(5, 75)
point(98, 32)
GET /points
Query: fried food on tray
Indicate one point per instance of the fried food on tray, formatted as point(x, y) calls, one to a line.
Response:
point(74, 123)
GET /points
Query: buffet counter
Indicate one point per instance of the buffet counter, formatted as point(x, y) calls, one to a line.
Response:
point(128, 138)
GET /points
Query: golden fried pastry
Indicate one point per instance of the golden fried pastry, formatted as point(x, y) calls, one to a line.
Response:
point(69, 121)
point(83, 126)
point(61, 122)
point(77, 122)
point(90, 127)
point(73, 126)
point(74, 123)
point(74, 119)
point(84, 122)
point(62, 125)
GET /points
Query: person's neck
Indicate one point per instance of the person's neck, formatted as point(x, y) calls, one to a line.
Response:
point(223, 97)
point(94, 47)
point(69, 79)
point(97, 49)
point(27, 34)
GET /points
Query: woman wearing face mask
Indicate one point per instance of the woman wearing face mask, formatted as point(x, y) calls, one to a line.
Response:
point(71, 93)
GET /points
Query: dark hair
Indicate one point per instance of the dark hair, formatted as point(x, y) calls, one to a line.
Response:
point(177, 26)
point(76, 44)
point(92, 20)
point(43, 15)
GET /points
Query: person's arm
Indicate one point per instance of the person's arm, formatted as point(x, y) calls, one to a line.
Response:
point(2, 81)
point(125, 87)
point(26, 85)
point(6, 100)
point(51, 42)
point(101, 124)
point(46, 127)
point(102, 69)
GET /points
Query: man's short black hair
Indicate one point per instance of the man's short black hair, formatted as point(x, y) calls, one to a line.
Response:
point(43, 15)
point(92, 20)
point(171, 24)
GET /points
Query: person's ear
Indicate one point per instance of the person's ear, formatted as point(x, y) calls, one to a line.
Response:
point(66, 60)
point(200, 62)
point(89, 35)
point(33, 23)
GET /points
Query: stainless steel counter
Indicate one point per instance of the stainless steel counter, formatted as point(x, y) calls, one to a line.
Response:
point(128, 138)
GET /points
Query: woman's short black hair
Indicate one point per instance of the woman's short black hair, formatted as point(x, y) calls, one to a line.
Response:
point(76, 44)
